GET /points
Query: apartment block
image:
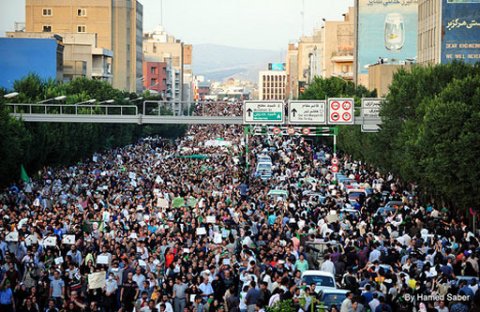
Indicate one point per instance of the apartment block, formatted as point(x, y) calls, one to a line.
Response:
point(117, 24)
point(272, 85)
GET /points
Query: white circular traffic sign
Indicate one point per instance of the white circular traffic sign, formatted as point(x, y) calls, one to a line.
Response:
point(346, 105)
point(346, 116)
point(335, 116)
point(335, 105)
point(334, 168)
point(306, 131)
point(276, 130)
point(334, 161)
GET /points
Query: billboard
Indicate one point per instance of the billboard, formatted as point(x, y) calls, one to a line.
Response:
point(386, 29)
point(460, 31)
point(276, 66)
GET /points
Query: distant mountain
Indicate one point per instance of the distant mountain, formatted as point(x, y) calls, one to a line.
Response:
point(217, 62)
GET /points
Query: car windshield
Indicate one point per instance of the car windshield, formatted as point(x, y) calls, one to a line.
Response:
point(333, 299)
point(264, 167)
point(324, 281)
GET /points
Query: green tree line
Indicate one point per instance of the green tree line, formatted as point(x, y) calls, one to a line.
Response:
point(35, 145)
point(429, 133)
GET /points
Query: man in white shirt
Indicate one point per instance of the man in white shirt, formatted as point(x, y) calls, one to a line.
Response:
point(328, 265)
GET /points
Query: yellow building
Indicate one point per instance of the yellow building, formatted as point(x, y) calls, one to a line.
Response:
point(118, 25)
point(291, 69)
point(380, 76)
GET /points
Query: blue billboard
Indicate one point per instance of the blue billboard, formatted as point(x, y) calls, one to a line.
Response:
point(460, 31)
point(276, 66)
point(21, 56)
point(387, 29)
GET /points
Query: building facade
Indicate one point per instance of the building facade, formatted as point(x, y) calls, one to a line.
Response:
point(166, 48)
point(40, 56)
point(81, 56)
point(118, 25)
point(272, 85)
point(448, 30)
point(155, 76)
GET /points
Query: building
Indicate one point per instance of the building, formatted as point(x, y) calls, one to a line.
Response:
point(166, 48)
point(384, 32)
point(448, 30)
point(327, 53)
point(81, 56)
point(272, 85)
point(118, 25)
point(338, 42)
point(291, 68)
point(22, 56)
point(155, 76)
point(380, 76)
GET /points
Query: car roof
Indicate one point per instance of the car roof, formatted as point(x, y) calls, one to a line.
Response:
point(317, 273)
point(329, 291)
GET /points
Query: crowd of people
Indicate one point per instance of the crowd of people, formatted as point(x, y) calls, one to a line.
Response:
point(183, 226)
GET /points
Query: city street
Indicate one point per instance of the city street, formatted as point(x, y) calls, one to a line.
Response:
point(183, 227)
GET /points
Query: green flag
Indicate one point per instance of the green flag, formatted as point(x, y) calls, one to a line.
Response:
point(24, 175)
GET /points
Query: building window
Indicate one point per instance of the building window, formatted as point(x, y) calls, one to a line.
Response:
point(47, 12)
point(47, 28)
point(82, 12)
point(81, 28)
point(153, 82)
point(153, 70)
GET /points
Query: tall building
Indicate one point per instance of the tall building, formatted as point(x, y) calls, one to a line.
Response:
point(272, 85)
point(291, 68)
point(166, 48)
point(448, 30)
point(118, 25)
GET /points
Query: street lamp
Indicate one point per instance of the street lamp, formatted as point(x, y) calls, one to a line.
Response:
point(10, 95)
point(107, 101)
point(57, 98)
point(86, 102)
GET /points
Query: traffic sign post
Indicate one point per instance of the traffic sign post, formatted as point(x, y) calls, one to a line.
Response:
point(307, 112)
point(263, 112)
point(371, 109)
point(341, 111)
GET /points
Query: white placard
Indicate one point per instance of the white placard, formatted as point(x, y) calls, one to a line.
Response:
point(31, 239)
point(217, 238)
point(102, 260)
point(201, 231)
point(211, 219)
point(12, 237)
point(96, 280)
point(186, 250)
point(50, 241)
point(162, 203)
point(68, 240)
point(226, 261)
point(58, 260)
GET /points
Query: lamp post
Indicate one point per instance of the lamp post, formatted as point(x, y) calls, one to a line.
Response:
point(57, 98)
point(86, 102)
point(11, 95)
point(107, 101)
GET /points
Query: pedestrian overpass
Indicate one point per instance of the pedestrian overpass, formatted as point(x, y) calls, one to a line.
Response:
point(151, 112)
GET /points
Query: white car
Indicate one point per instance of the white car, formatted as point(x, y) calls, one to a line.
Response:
point(321, 279)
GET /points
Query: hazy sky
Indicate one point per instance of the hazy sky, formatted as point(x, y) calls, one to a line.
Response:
point(262, 24)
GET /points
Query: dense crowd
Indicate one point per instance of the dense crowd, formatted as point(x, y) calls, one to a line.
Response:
point(182, 226)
